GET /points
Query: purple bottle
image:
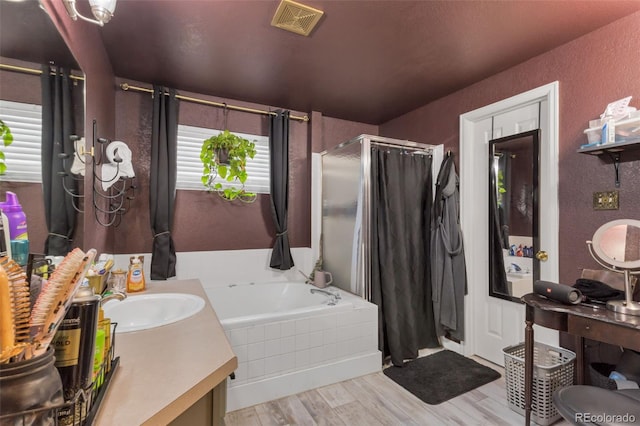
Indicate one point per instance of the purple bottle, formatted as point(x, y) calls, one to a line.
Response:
point(17, 228)
point(17, 219)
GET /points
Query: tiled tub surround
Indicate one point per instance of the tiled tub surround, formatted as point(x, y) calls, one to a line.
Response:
point(289, 340)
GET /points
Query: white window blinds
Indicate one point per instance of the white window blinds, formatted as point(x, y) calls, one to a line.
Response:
point(190, 167)
point(22, 157)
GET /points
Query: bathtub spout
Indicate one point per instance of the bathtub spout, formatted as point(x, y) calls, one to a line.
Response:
point(327, 292)
point(333, 295)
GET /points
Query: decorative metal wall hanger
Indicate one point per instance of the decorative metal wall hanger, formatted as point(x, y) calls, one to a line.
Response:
point(113, 181)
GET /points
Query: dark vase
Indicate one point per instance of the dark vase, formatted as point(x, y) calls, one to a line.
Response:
point(30, 385)
point(222, 156)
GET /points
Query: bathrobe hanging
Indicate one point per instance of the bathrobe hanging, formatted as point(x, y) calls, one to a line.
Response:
point(449, 275)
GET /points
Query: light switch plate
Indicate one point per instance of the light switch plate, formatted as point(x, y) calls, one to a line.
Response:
point(607, 200)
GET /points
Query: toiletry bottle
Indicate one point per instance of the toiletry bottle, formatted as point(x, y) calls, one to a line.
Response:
point(98, 359)
point(4, 236)
point(74, 344)
point(105, 324)
point(17, 228)
point(135, 277)
point(118, 280)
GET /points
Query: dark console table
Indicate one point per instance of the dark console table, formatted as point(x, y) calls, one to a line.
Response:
point(581, 321)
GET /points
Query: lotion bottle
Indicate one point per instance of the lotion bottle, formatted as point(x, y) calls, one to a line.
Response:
point(135, 277)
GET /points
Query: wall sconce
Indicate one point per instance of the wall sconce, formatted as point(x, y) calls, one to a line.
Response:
point(113, 182)
point(102, 10)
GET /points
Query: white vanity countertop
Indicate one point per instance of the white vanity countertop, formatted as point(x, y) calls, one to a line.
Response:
point(165, 370)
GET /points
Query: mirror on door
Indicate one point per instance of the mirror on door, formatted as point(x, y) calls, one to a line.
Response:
point(513, 214)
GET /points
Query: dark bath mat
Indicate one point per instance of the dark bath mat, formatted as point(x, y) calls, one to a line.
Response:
point(441, 376)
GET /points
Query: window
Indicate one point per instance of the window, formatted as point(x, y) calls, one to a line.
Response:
point(190, 168)
point(22, 157)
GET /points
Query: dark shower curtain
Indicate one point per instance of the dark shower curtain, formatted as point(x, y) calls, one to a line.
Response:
point(400, 267)
point(162, 185)
point(57, 128)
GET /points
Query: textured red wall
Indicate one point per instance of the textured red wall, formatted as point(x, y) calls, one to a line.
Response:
point(593, 70)
point(329, 132)
point(203, 221)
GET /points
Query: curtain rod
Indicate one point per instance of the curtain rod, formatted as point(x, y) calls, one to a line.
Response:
point(126, 86)
point(33, 71)
point(427, 149)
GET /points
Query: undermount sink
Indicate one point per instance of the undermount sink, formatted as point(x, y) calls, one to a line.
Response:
point(145, 311)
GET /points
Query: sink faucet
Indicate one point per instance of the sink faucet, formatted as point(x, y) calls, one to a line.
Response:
point(515, 268)
point(334, 295)
point(115, 295)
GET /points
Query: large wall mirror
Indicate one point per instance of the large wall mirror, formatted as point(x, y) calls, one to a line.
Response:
point(29, 39)
point(513, 214)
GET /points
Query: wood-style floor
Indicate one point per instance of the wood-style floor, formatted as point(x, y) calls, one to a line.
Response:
point(377, 400)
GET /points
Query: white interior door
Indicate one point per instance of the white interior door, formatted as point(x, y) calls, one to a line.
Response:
point(494, 323)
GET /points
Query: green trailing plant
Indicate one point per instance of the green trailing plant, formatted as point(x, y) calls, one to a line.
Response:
point(309, 279)
point(501, 187)
point(233, 170)
point(317, 267)
point(7, 139)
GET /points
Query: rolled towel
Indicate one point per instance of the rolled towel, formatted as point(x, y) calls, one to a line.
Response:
point(77, 167)
point(119, 165)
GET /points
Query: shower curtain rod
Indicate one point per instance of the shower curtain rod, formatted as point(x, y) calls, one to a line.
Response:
point(381, 140)
point(126, 86)
point(428, 150)
point(33, 71)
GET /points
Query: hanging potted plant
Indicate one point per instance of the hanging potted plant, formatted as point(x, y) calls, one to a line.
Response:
point(225, 156)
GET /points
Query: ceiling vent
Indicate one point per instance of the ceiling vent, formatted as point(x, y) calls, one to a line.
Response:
point(296, 17)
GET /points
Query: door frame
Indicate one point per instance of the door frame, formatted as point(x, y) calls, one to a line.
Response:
point(472, 154)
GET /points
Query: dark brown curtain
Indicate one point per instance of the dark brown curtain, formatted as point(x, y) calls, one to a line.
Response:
point(279, 185)
point(162, 185)
point(400, 251)
point(57, 128)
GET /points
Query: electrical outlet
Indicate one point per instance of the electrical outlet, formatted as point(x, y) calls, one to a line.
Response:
point(607, 200)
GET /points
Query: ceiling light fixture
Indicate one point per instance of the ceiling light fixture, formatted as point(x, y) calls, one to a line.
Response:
point(102, 10)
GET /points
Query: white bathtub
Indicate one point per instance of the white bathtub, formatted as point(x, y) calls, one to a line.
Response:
point(258, 303)
point(289, 340)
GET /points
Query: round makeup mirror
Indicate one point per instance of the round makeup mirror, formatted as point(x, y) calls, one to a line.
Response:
point(616, 247)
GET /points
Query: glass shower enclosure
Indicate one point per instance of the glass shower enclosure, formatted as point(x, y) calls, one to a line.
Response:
point(346, 208)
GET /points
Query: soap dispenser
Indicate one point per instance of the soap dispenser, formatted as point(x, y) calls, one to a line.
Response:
point(135, 277)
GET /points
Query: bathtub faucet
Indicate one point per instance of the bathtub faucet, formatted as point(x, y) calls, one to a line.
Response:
point(333, 295)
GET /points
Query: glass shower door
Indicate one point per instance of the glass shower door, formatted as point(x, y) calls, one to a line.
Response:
point(341, 186)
